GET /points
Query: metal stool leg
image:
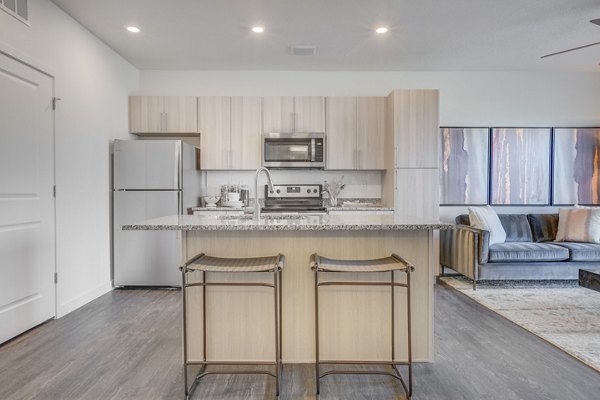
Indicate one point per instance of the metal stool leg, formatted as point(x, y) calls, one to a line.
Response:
point(393, 320)
point(184, 327)
point(317, 364)
point(204, 316)
point(409, 328)
point(277, 349)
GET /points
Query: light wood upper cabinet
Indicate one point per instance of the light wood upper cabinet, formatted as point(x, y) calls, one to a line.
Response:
point(230, 132)
point(214, 123)
point(309, 114)
point(181, 114)
point(293, 114)
point(370, 132)
point(278, 114)
point(355, 133)
point(163, 115)
point(416, 128)
point(341, 133)
point(246, 131)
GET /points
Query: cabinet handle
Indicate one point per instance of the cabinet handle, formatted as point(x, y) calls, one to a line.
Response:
point(395, 156)
point(358, 159)
point(161, 122)
point(166, 120)
point(395, 180)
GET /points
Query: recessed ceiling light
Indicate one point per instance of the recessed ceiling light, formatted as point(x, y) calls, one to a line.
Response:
point(258, 29)
point(133, 29)
point(381, 29)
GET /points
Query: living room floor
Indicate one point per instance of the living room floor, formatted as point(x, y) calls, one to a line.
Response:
point(126, 345)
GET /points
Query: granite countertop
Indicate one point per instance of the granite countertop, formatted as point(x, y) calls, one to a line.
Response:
point(361, 208)
point(281, 222)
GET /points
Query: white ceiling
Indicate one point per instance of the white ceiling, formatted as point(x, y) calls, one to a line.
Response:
point(425, 35)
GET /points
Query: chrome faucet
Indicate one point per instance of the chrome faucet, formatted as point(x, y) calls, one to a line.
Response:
point(270, 183)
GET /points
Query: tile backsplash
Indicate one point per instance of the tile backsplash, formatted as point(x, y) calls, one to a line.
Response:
point(359, 184)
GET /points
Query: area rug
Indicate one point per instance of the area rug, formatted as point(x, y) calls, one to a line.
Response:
point(561, 312)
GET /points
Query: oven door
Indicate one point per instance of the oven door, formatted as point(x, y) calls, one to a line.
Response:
point(291, 153)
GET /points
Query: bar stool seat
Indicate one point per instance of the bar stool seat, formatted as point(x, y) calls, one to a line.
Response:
point(203, 265)
point(216, 264)
point(391, 264)
point(387, 264)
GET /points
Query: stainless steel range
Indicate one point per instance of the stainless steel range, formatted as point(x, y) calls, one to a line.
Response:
point(294, 198)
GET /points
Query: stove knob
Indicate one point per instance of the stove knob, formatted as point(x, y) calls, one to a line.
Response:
point(314, 190)
point(278, 191)
point(307, 190)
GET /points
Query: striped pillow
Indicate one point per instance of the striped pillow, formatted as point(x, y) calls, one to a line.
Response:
point(578, 225)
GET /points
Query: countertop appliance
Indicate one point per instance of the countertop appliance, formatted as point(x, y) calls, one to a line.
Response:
point(293, 150)
point(294, 198)
point(151, 178)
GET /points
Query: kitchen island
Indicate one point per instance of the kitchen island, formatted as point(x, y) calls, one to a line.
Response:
point(354, 320)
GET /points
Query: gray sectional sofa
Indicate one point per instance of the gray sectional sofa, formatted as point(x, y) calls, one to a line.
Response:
point(529, 251)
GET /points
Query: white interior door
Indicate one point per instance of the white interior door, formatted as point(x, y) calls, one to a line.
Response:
point(27, 262)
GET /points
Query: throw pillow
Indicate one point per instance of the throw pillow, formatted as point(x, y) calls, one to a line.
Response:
point(486, 218)
point(578, 225)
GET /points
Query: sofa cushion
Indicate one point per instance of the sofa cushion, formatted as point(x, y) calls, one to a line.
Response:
point(582, 251)
point(543, 226)
point(527, 251)
point(516, 227)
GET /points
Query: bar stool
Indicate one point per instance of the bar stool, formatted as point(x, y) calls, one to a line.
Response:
point(390, 264)
point(207, 264)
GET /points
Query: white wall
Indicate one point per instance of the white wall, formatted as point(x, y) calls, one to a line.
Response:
point(93, 82)
point(466, 98)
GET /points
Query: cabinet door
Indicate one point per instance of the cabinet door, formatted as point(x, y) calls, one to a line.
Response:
point(181, 114)
point(370, 132)
point(214, 123)
point(416, 128)
point(278, 114)
point(416, 193)
point(246, 130)
point(146, 114)
point(309, 114)
point(341, 133)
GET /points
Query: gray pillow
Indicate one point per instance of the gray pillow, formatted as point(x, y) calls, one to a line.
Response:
point(516, 227)
point(543, 226)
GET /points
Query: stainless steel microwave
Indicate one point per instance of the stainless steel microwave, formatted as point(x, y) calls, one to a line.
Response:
point(293, 150)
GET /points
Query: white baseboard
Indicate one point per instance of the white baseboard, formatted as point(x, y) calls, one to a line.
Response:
point(84, 298)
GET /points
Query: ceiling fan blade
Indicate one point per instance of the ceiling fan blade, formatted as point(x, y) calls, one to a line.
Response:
point(573, 49)
point(596, 21)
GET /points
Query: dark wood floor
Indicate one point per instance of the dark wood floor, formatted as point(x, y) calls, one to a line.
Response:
point(126, 345)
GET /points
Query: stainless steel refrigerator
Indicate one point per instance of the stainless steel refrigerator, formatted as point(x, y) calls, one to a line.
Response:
point(151, 178)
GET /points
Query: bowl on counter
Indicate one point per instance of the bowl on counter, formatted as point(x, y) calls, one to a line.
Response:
point(210, 201)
